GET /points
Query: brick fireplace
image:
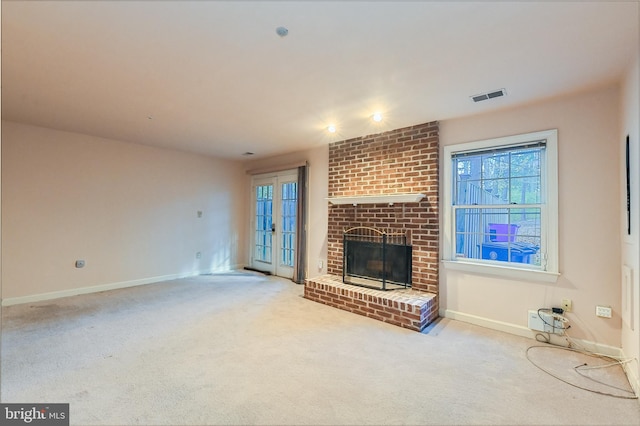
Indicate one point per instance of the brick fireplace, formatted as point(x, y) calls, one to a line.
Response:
point(401, 161)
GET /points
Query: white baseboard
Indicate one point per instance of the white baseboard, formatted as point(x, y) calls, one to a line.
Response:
point(634, 380)
point(632, 374)
point(98, 288)
point(519, 330)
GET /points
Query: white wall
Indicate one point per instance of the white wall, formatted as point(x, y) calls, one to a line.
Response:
point(318, 160)
point(589, 219)
point(630, 118)
point(130, 211)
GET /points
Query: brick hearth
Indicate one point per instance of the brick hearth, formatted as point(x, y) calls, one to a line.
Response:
point(405, 308)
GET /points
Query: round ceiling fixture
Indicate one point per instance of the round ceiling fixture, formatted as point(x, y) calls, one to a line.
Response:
point(331, 128)
point(377, 117)
point(282, 31)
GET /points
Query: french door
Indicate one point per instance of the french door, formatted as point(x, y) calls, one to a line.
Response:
point(275, 201)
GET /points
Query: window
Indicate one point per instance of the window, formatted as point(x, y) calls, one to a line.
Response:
point(500, 204)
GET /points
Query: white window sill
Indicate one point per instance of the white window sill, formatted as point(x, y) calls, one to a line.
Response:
point(502, 271)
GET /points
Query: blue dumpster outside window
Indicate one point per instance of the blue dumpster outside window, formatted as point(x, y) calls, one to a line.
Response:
point(501, 245)
point(520, 252)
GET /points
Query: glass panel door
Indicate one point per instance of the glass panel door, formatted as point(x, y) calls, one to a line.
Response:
point(275, 202)
point(287, 231)
point(263, 247)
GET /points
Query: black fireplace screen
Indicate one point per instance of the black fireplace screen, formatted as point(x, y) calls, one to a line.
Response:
point(376, 259)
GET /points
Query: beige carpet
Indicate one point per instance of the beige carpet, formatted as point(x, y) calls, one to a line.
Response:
point(248, 349)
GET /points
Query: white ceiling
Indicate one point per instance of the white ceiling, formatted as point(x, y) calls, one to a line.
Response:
point(215, 78)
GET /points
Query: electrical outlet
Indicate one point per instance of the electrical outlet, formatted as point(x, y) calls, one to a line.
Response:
point(320, 264)
point(198, 255)
point(603, 311)
point(566, 305)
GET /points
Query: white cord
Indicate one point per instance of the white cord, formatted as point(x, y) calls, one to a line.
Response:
point(613, 364)
point(574, 385)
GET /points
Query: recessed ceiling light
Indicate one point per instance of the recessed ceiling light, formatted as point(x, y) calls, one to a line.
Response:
point(377, 117)
point(331, 128)
point(282, 31)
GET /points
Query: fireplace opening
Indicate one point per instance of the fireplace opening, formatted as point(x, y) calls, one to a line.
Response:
point(376, 259)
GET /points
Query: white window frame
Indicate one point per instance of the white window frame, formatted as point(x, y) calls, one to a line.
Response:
point(548, 272)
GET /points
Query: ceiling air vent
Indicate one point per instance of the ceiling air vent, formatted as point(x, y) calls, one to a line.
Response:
point(488, 95)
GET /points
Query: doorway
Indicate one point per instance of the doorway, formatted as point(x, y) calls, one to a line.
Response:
point(273, 222)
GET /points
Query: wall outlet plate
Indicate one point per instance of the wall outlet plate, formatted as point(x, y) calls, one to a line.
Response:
point(603, 311)
point(566, 305)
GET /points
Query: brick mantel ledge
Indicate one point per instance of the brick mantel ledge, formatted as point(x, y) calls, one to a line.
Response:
point(408, 308)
